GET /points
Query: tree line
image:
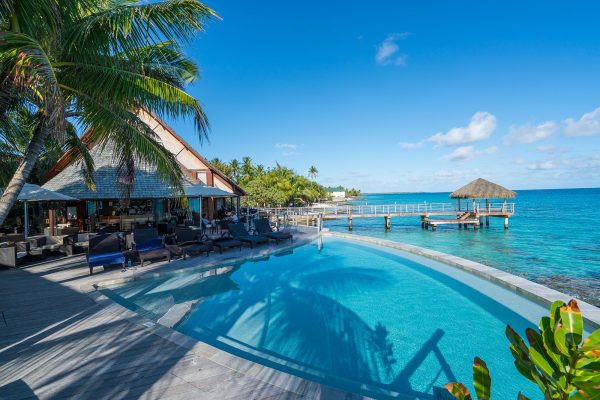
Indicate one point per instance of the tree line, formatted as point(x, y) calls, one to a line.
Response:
point(273, 186)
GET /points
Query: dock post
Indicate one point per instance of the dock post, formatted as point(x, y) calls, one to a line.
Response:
point(506, 223)
point(480, 221)
point(487, 220)
point(350, 222)
point(388, 224)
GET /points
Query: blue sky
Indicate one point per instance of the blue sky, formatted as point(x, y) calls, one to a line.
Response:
point(406, 96)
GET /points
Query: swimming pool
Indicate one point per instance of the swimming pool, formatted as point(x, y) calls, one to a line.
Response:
point(359, 317)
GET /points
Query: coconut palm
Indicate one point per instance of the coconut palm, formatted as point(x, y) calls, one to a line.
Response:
point(95, 64)
point(313, 172)
point(234, 169)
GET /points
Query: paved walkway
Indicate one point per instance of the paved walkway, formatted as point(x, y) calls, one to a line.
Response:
point(56, 341)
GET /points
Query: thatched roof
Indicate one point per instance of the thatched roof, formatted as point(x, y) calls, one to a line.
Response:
point(483, 189)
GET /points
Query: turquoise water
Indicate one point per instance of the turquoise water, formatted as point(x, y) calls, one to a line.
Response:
point(362, 318)
point(553, 238)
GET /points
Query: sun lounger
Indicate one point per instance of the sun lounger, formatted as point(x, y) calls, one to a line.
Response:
point(226, 243)
point(263, 227)
point(239, 232)
point(186, 242)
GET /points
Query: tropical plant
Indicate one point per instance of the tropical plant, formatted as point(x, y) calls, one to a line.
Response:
point(98, 65)
point(558, 360)
point(313, 172)
point(16, 129)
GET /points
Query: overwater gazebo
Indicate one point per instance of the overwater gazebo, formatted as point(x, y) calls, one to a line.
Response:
point(483, 189)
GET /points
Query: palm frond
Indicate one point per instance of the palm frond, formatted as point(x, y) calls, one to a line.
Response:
point(125, 26)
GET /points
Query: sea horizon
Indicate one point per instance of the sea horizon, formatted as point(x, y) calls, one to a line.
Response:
point(450, 191)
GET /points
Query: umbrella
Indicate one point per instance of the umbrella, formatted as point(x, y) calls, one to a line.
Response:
point(31, 192)
point(202, 190)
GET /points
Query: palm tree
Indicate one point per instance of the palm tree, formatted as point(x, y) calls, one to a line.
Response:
point(234, 168)
point(95, 64)
point(247, 168)
point(16, 130)
point(313, 172)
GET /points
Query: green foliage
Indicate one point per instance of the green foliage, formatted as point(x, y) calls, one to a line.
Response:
point(94, 64)
point(557, 360)
point(350, 192)
point(271, 187)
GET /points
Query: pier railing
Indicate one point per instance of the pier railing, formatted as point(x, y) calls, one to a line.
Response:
point(415, 209)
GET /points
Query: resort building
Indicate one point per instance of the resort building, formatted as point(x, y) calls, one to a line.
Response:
point(209, 191)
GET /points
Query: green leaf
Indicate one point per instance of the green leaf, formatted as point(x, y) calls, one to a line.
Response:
point(547, 332)
point(458, 390)
point(522, 397)
point(481, 379)
point(538, 355)
point(560, 339)
point(572, 322)
point(555, 312)
point(592, 342)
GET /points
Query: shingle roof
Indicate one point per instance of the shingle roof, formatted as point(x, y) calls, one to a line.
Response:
point(483, 189)
point(71, 180)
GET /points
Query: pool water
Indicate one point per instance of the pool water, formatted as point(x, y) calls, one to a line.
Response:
point(359, 317)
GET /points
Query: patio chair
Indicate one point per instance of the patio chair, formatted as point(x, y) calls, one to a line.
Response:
point(185, 242)
point(104, 249)
point(13, 254)
point(145, 244)
point(77, 244)
point(239, 232)
point(48, 243)
point(263, 227)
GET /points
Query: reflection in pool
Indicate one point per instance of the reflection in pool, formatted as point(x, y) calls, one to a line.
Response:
point(362, 318)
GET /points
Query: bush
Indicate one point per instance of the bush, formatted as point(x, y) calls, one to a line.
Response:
point(558, 360)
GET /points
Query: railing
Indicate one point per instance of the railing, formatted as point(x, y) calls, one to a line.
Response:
point(396, 209)
point(283, 218)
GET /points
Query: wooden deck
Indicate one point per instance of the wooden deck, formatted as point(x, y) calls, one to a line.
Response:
point(58, 342)
point(444, 211)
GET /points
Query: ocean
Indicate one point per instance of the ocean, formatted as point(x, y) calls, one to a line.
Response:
point(553, 238)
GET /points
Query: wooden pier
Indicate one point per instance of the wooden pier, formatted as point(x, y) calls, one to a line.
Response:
point(432, 214)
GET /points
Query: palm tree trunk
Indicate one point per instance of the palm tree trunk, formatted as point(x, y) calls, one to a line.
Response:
point(9, 197)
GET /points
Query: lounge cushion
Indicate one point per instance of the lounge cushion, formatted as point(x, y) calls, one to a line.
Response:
point(149, 245)
point(95, 260)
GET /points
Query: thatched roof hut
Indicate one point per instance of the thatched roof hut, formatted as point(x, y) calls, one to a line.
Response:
point(483, 189)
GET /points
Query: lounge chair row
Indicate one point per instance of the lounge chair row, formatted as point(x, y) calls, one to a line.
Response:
point(146, 244)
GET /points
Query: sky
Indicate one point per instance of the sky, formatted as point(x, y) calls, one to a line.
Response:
point(405, 96)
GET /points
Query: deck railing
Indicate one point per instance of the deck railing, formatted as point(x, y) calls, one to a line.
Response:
point(397, 209)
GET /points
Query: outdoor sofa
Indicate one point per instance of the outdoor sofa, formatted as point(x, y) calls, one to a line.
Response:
point(105, 249)
point(145, 244)
point(13, 254)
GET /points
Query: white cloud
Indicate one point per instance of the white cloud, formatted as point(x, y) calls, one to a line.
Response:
point(528, 133)
point(480, 127)
point(286, 146)
point(465, 153)
point(587, 125)
point(541, 166)
point(408, 145)
point(550, 149)
point(388, 50)
point(455, 174)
